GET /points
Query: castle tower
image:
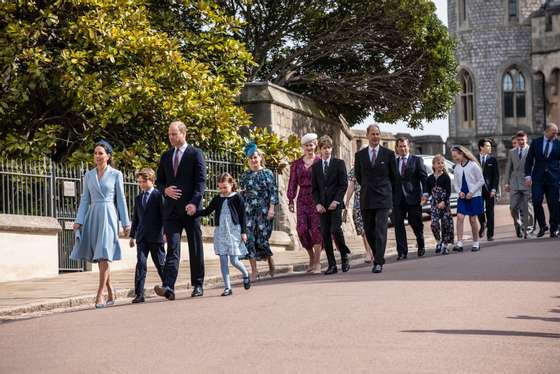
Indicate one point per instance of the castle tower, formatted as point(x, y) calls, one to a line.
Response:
point(495, 71)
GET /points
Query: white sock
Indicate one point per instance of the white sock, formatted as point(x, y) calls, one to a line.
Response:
point(459, 244)
point(475, 244)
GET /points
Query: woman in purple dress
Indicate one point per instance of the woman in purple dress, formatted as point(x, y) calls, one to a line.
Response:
point(308, 225)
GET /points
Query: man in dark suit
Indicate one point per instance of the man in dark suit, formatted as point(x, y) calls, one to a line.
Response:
point(410, 194)
point(542, 174)
point(147, 230)
point(491, 173)
point(375, 170)
point(181, 177)
point(329, 182)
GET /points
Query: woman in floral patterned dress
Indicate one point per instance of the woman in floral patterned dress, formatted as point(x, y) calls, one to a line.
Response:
point(260, 192)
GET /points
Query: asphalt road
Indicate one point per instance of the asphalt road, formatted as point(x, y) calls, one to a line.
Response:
point(497, 311)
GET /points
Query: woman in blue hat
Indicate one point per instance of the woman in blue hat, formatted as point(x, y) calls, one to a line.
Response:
point(96, 226)
point(260, 192)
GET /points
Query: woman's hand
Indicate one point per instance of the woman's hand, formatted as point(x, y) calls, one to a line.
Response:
point(126, 230)
point(461, 195)
point(469, 195)
point(270, 214)
point(291, 207)
point(76, 226)
point(441, 205)
point(244, 238)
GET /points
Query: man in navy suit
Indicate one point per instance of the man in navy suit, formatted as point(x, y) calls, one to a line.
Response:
point(375, 169)
point(410, 194)
point(542, 174)
point(147, 230)
point(181, 177)
point(491, 173)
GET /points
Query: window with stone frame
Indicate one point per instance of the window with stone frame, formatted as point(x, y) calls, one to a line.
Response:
point(514, 87)
point(554, 82)
point(466, 106)
point(512, 9)
point(462, 12)
point(548, 23)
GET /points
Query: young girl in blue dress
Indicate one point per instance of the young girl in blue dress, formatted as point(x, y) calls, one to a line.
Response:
point(469, 181)
point(230, 234)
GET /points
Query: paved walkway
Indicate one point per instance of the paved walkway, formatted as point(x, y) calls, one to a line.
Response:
point(77, 290)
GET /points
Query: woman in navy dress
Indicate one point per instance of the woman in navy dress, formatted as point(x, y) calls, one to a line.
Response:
point(260, 192)
point(469, 181)
point(96, 226)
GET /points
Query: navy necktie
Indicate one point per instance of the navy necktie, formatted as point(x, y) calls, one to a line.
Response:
point(520, 153)
point(546, 148)
point(145, 199)
point(325, 167)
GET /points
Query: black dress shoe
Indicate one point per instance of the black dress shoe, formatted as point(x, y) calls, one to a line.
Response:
point(481, 231)
point(246, 283)
point(518, 231)
point(331, 270)
point(541, 233)
point(197, 291)
point(490, 239)
point(457, 249)
point(227, 292)
point(438, 248)
point(399, 257)
point(170, 295)
point(345, 265)
point(377, 269)
point(554, 234)
point(404, 256)
point(138, 299)
point(421, 252)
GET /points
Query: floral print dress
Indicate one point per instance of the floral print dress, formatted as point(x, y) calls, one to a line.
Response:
point(259, 189)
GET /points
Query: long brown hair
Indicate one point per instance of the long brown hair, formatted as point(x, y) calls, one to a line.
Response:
point(227, 178)
point(465, 152)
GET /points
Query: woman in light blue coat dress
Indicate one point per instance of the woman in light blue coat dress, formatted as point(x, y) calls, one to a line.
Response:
point(96, 227)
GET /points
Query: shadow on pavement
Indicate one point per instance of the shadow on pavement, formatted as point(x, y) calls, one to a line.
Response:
point(528, 334)
point(545, 319)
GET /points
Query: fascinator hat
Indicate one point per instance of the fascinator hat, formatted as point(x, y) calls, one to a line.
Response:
point(106, 145)
point(250, 149)
point(309, 137)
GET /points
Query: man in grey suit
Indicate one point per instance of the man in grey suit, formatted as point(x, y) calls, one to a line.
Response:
point(519, 192)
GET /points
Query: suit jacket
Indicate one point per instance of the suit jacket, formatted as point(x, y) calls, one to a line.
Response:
point(491, 173)
point(330, 187)
point(147, 222)
point(190, 178)
point(540, 168)
point(515, 169)
point(412, 184)
point(377, 182)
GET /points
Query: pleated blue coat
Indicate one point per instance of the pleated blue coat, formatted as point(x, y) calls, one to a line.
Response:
point(98, 237)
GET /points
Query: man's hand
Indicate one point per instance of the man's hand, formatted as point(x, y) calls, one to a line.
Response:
point(76, 226)
point(320, 209)
point(191, 209)
point(424, 200)
point(493, 194)
point(507, 187)
point(469, 195)
point(528, 182)
point(244, 238)
point(173, 192)
point(270, 214)
point(291, 207)
point(333, 205)
point(131, 243)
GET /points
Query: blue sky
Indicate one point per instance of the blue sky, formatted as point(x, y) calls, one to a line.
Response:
point(439, 127)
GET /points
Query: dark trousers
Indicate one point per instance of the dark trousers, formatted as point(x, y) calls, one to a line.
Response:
point(173, 229)
point(158, 257)
point(375, 227)
point(331, 227)
point(487, 217)
point(539, 191)
point(401, 212)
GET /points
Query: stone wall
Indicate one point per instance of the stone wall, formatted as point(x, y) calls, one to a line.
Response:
point(286, 113)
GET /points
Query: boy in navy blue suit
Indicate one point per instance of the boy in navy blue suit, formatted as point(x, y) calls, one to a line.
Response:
point(147, 230)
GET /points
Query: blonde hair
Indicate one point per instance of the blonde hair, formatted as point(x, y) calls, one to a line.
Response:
point(180, 126)
point(261, 155)
point(325, 141)
point(147, 173)
point(465, 152)
point(228, 178)
point(439, 157)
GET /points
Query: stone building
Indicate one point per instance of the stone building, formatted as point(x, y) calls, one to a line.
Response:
point(500, 90)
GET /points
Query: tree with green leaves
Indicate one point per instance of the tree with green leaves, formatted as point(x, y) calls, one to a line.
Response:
point(392, 58)
point(76, 71)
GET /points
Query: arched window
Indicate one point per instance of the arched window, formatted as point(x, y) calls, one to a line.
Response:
point(467, 110)
point(512, 9)
point(513, 86)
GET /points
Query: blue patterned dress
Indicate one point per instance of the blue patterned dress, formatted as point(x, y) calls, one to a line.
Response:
point(259, 191)
point(227, 237)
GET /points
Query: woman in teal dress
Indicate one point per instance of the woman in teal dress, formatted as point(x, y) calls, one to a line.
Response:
point(96, 226)
point(260, 192)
